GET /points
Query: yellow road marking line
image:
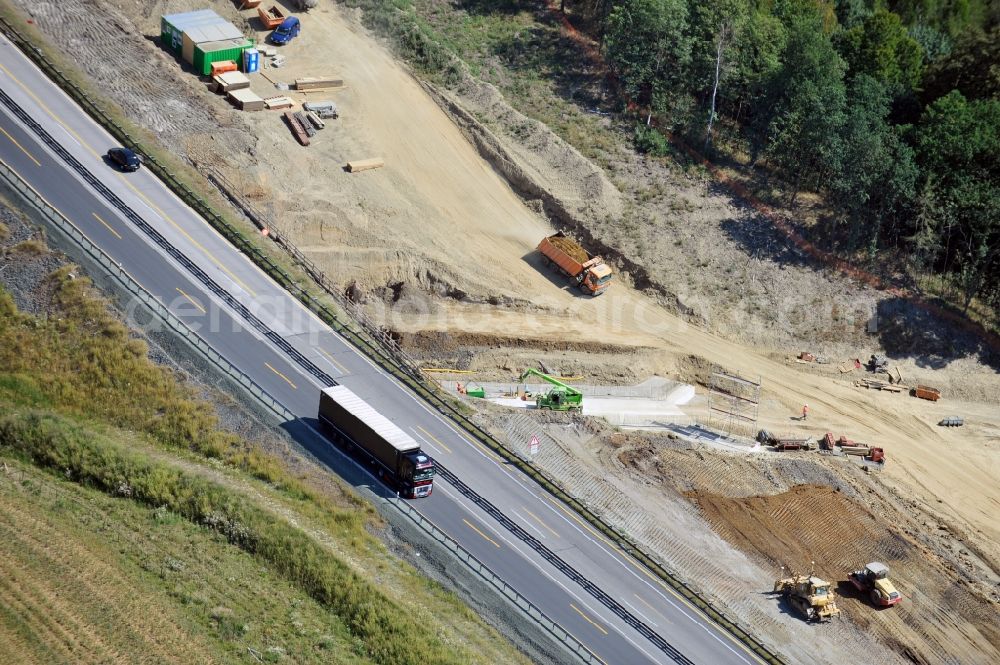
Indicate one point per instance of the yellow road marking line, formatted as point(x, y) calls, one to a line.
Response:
point(23, 149)
point(473, 527)
point(287, 380)
point(588, 619)
point(434, 438)
point(558, 504)
point(578, 640)
point(656, 580)
point(191, 300)
point(61, 214)
point(539, 520)
point(333, 360)
point(189, 237)
point(108, 227)
point(47, 110)
point(127, 182)
point(39, 194)
point(486, 451)
point(658, 612)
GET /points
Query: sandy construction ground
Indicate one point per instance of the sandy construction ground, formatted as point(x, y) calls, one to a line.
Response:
point(442, 247)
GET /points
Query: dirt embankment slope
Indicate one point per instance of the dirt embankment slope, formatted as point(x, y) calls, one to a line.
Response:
point(803, 511)
point(442, 244)
point(819, 526)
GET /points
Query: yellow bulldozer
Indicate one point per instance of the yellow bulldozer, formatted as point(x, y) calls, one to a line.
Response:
point(811, 596)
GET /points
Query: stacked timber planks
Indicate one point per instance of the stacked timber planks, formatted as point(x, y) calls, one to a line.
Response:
point(364, 164)
point(793, 443)
point(316, 121)
point(246, 100)
point(875, 384)
point(277, 103)
point(314, 83)
point(306, 125)
point(226, 82)
point(297, 129)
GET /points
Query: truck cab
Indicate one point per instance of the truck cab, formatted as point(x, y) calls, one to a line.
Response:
point(417, 477)
point(597, 279)
point(286, 31)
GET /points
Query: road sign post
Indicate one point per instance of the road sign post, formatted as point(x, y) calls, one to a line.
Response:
point(533, 446)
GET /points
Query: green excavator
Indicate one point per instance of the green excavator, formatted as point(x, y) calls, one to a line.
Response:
point(560, 398)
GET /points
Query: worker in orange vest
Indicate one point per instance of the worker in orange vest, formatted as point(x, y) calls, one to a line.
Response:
point(805, 411)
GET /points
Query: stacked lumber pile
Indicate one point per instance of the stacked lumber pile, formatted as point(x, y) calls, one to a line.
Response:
point(848, 445)
point(276, 103)
point(876, 384)
point(316, 121)
point(226, 82)
point(324, 109)
point(790, 443)
point(305, 124)
point(784, 442)
point(297, 129)
point(364, 164)
point(246, 99)
point(316, 83)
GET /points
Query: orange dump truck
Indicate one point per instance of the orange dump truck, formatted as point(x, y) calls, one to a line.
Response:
point(588, 272)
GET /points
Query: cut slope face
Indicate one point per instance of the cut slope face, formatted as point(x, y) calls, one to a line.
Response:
point(436, 214)
point(819, 527)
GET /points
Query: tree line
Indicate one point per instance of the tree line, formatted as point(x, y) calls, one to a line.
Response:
point(888, 109)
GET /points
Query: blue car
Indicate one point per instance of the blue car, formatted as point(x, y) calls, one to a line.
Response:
point(285, 32)
point(124, 159)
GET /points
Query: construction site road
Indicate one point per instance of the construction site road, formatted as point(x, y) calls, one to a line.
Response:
point(604, 598)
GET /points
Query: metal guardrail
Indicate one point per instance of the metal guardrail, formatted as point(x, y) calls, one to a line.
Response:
point(384, 350)
point(148, 299)
point(125, 280)
point(569, 641)
point(430, 390)
point(275, 233)
point(560, 564)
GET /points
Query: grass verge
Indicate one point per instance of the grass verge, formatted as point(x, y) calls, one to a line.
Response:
point(83, 358)
point(86, 577)
point(384, 631)
point(79, 396)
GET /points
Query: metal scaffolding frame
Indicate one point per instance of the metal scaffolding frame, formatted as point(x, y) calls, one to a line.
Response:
point(733, 403)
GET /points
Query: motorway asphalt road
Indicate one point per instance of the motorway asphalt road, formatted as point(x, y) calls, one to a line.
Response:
point(609, 602)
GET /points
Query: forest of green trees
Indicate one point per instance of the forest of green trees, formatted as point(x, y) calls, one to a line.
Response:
point(890, 110)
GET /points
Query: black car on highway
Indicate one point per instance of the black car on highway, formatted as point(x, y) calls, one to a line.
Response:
point(124, 159)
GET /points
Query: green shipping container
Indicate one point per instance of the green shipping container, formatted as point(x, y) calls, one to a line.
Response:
point(228, 49)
